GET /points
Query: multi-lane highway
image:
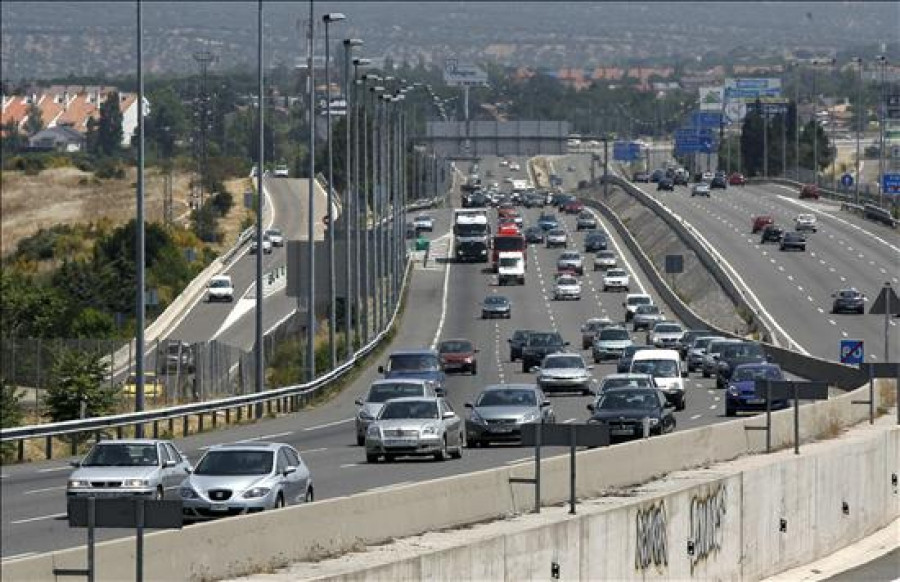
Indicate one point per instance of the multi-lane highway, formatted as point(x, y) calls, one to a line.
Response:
point(443, 302)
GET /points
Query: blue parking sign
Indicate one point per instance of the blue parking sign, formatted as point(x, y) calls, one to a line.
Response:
point(852, 351)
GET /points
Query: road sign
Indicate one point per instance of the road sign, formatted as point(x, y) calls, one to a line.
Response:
point(846, 180)
point(458, 74)
point(785, 389)
point(887, 302)
point(891, 183)
point(624, 151)
point(706, 119)
point(852, 351)
point(674, 263)
point(560, 435)
point(711, 98)
point(752, 89)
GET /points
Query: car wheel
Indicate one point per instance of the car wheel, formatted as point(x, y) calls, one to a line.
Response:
point(371, 458)
point(458, 452)
point(512, 358)
point(706, 374)
point(360, 440)
point(158, 494)
point(279, 501)
point(524, 367)
point(668, 426)
point(729, 411)
point(474, 369)
point(682, 404)
point(442, 455)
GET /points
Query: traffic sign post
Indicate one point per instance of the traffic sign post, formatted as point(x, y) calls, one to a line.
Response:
point(846, 180)
point(890, 183)
point(880, 370)
point(852, 351)
point(888, 304)
point(787, 390)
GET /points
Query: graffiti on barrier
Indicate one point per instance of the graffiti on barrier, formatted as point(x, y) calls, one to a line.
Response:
point(707, 529)
point(651, 544)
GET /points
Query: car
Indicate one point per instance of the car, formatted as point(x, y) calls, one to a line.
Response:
point(557, 237)
point(565, 373)
point(510, 268)
point(640, 177)
point(538, 345)
point(711, 355)
point(742, 395)
point(645, 317)
point(496, 306)
point(458, 355)
point(760, 222)
point(178, 357)
point(379, 392)
point(701, 189)
point(604, 260)
point(534, 235)
point(633, 301)
point(566, 287)
point(504, 163)
point(696, 351)
point(680, 179)
point(590, 329)
point(424, 222)
point(533, 200)
point(148, 468)
point(771, 233)
point(665, 367)
point(805, 223)
point(610, 343)
point(519, 338)
point(626, 380)
point(242, 478)
point(809, 191)
point(616, 280)
point(514, 167)
point(548, 221)
point(418, 364)
point(737, 179)
point(666, 184)
point(657, 175)
point(623, 365)
point(275, 236)
point(477, 200)
point(633, 413)
point(500, 410)
point(154, 386)
point(733, 355)
point(220, 288)
point(665, 334)
point(719, 182)
point(792, 241)
point(707, 176)
point(570, 262)
point(266, 245)
point(595, 241)
point(415, 427)
point(573, 206)
point(585, 221)
point(281, 171)
point(563, 200)
point(848, 300)
point(687, 338)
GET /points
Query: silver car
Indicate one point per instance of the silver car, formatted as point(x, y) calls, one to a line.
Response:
point(239, 478)
point(590, 329)
point(605, 260)
point(557, 237)
point(665, 334)
point(129, 468)
point(626, 380)
point(275, 236)
point(380, 392)
point(697, 351)
point(499, 412)
point(610, 344)
point(570, 261)
point(645, 317)
point(415, 427)
point(565, 373)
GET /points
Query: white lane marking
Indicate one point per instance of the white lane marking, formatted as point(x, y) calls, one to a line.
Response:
point(820, 310)
point(348, 465)
point(440, 327)
point(713, 407)
point(519, 461)
point(832, 322)
point(569, 420)
point(327, 424)
point(18, 556)
point(308, 451)
point(54, 469)
point(39, 518)
point(265, 437)
point(696, 416)
point(44, 490)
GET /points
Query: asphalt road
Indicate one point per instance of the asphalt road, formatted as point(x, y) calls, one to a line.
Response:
point(33, 496)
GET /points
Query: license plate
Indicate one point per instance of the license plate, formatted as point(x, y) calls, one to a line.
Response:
point(501, 429)
point(399, 442)
point(621, 431)
point(756, 401)
point(218, 507)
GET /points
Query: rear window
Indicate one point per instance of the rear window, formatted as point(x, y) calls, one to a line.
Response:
point(638, 300)
point(413, 362)
point(384, 392)
point(614, 334)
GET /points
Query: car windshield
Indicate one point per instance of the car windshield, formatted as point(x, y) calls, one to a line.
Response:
point(648, 310)
point(741, 351)
point(470, 229)
point(423, 218)
point(668, 328)
point(638, 300)
point(557, 232)
point(235, 463)
point(656, 368)
point(569, 257)
point(547, 218)
point(456, 347)
point(746, 373)
point(624, 399)
point(626, 382)
point(122, 455)
point(409, 409)
point(849, 294)
point(413, 362)
point(615, 273)
point(567, 281)
point(219, 283)
point(585, 215)
point(614, 333)
point(507, 397)
point(564, 362)
point(384, 392)
point(544, 339)
point(509, 243)
point(149, 378)
point(495, 300)
point(606, 255)
point(508, 262)
point(703, 342)
point(273, 232)
point(520, 335)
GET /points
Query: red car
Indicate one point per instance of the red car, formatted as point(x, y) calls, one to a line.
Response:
point(573, 207)
point(458, 355)
point(737, 179)
point(760, 222)
point(809, 191)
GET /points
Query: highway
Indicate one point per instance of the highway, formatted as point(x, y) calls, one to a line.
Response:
point(443, 302)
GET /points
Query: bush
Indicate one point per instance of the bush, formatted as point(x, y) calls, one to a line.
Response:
point(10, 413)
point(79, 379)
point(110, 168)
point(223, 201)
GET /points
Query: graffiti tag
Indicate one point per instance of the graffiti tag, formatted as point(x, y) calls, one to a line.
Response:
point(651, 547)
point(707, 531)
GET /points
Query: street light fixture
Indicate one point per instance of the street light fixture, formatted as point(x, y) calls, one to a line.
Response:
point(351, 223)
point(860, 108)
point(882, 114)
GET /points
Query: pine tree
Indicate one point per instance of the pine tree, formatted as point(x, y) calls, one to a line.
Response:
point(109, 127)
point(34, 122)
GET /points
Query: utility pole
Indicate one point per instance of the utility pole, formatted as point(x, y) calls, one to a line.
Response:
point(201, 117)
point(258, 356)
point(311, 205)
point(140, 303)
point(860, 109)
point(351, 222)
point(882, 118)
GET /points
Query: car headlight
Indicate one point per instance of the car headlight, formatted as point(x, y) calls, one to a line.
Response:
point(135, 483)
point(78, 484)
point(373, 431)
point(430, 430)
point(483, 251)
point(476, 418)
point(733, 390)
point(653, 421)
point(363, 415)
point(256, 492)
point(187, 493)
point(530, 417)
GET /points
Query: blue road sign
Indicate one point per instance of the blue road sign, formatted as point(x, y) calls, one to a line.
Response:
point(694, 143)
point(706, 119)
point(852, 351)
point(891, 183)
point(625, 151)
point(846, 180)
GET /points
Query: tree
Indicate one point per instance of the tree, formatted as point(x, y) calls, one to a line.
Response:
point(10, 413)
point(752, 143)
point(34, 121)
point(813, 132)
point(78, 386)
point(167, 121)
point(28, 309)
point(13, 140)
point(109, 126)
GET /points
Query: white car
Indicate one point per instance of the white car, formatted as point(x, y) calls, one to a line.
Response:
point(707, 176)
point(508, 180)
point(220, 288)
point(266, 245)
point(604, 260)
point(633, 301)
point(805, 222)
point(616, 280)
point(567, 287)
point(504, 163)
point(281, 171)
point(514, 167)
point(557, 237)
point(665, 334)
point(424, 222)
point(275, 236)
point(564, 372)
point(701, 189)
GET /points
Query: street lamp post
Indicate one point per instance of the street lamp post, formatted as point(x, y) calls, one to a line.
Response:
point(329, 19)
point(311, 205)
point(860, 108)
point(882, 59)
point(350, 222)
point(361, 220)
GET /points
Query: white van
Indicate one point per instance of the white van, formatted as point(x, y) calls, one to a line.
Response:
point(220, 288)
point(665, 367)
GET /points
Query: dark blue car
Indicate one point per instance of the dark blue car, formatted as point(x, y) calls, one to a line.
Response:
point(741, 395)
point(548, 221)
point(421, 364)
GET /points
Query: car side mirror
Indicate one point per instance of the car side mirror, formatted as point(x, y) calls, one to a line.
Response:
point(469, 405)
point(449, 414)
point(189, 470)
point(591, 367)
point(75, 464)
point(623, 304)
point(358, 401)
point(566, 343)
point(381, 369)
point(288, 470)
point(475, 351)
point(834, 294)
point(545, 403)
point(535, 369)
point(590, 407)
point(509, 340)
point(684, 374)
point(169, 463)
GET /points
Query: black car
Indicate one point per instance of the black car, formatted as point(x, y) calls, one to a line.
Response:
point(538, 345)
point(626, 410)
point(657, 175)
point(623, 365)
point(595, 241)
point(477, 200)
point(771, 233)
point(534, 200)
point(495, 306)
point(640, 177)
point(848, 300)
point(719, 181)
point(666, 184)
point(734, 354)
point(518, 339)
point(680, 179)
point(534, 234)
point(793, 241)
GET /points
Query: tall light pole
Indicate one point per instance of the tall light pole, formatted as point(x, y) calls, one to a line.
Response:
point(882, 114)
point(258, 355)
point(860, 108)
point(368, 205)
point(378, 254)
point(328, 19)
point(140, 300)
point(360, 221)
point(815, 101)
point(797, 122)
point(350, 222)
point(311, 205)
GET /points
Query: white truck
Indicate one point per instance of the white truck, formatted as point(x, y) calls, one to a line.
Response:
point(471, 233)
point(511, 268)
